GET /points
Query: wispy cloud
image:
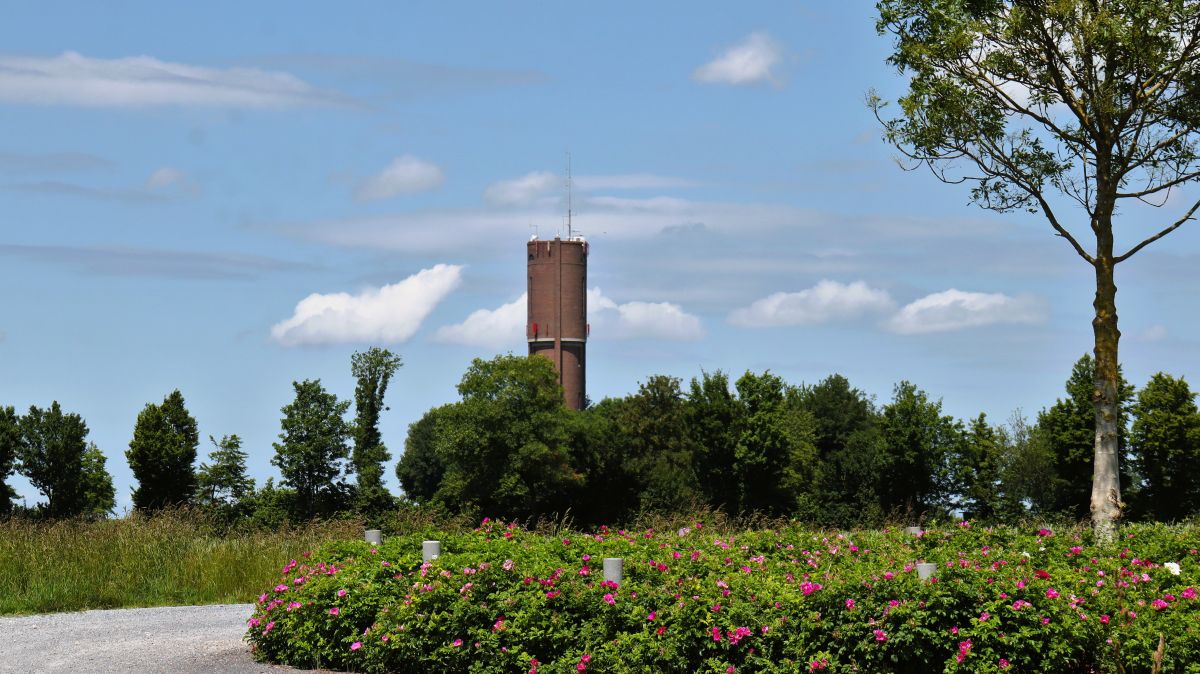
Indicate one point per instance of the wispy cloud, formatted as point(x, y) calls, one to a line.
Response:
point(386, 315)
point(404, 175)
point(749, 62)
point(171, 264)
point(169, 179)
point(524, 190)
point(825, 302)
point(73, 79)
point(1154, 333)
point(401, 79)
point(55, 162)
point(536, 186)
point(164, 184)
point(956, 310)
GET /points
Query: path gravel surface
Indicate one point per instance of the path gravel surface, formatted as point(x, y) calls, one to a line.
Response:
point(177, 639)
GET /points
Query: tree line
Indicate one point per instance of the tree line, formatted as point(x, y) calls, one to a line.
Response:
point(317, 453)
point(827, 453)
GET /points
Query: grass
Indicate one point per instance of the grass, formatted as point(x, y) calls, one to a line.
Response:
point(175, 558)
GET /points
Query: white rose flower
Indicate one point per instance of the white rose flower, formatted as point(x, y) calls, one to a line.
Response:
point(1173, 567)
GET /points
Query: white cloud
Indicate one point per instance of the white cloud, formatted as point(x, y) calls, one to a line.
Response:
point(538, 185)
point(1154, 333)
point(824, 302)
point(384, 315)
point(955, 310)
point(73, 79)
point(747, 63)
point(630, 181)
point(405, 175)
point(504, 326)
point(492, 328)
point(640, 320)
point(166, 177)
point(524, 190)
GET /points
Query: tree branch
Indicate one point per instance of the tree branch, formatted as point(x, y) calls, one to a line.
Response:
point(1186, 216)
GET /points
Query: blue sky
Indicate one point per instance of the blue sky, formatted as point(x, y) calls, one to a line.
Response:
point(223, 198)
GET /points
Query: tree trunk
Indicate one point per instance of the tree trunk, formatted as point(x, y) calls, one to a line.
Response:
point(1106, 482)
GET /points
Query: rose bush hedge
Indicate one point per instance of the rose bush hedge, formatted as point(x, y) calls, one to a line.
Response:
point(501, 599)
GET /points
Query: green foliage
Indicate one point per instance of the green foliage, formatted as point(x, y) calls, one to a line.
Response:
point(99, 495)
point(850, 452)
point(920, 442)
point(173, 557)
point(501, 599)
point(714, 415)
point(505, 446)
point(53, 445)
point(373, 370)
point(420, 469)
point(223, 485)
point(312, 451)
point(10, 450)
point(773, 457)
point(161, 454)
point(1165, 450)
point(658, 456)
point(1069, 428)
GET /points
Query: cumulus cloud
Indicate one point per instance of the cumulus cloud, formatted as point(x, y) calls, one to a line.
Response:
point(746, 63)
point(827, 301)
point(405, 175)
point(386, 315)
point(74, 79)
point(492, 328)
point(640, 320)
point(956, 310)
point(504, 326)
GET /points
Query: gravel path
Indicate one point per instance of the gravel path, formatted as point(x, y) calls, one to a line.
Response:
point(178, 640)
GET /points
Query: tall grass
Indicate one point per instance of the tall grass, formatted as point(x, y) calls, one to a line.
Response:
point(174, 558)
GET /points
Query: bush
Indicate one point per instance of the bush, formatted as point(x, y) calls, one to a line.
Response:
point(501, 599)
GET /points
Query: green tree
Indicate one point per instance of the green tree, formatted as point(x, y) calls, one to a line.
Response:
point(919, 441)
point(223, 484)
point(774, 454)
point(312, 451)
point(161, 454)
point(10, 449)
point(1027, 472)
point(850, 454)
point(52, 448)
point(99, 496)
point(1069, 428)
point(714, 416)
point(659, 452)
point(1165, 440)
point(1069, 108)
point(373, 369)
point(420, 469)
point(505, 445)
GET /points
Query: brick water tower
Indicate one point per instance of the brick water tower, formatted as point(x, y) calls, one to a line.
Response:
point(557, 328)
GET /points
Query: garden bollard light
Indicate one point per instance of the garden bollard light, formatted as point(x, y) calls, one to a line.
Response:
point(430, 550)
point(373, 536)
point(925, 570)
point(915, 531)
point(614, 568)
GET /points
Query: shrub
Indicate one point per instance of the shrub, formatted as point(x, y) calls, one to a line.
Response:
point(501, 599)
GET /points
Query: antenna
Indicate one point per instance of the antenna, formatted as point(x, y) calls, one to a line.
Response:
point(569, 233)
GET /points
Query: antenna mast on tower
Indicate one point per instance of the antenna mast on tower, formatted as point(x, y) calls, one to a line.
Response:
point(570, 235)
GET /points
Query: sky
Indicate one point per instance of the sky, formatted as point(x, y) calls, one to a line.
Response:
point(224, 198)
